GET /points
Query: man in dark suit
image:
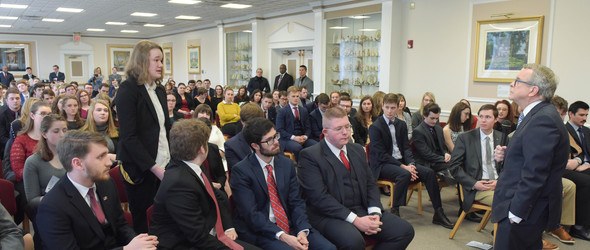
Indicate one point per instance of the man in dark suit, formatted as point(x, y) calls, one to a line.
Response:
point(236, 148)
point(283, 81)
point(269, 211)
point(188, 212)
point(578, 167)
point(429, 143)
point(6, 77)
point(270, 112)
point(527, 198)
point(303, 79)
point(207, 85)
point(56, 75)
point(391, 158)
point(258, 82)
point(315, 116)
point(83, 211)
point(8, 113)
point(342, 196)
point(29, 75)
point(293, 125)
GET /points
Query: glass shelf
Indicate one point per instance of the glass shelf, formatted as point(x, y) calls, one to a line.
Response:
point(239, 58)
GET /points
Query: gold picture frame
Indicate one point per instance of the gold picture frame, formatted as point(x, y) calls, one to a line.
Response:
point(118, 56)
point(16, 56)
point(502, 47)
point(194, 59)
point(167, 60)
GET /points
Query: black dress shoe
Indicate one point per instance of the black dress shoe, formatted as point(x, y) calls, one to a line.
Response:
point(473, 217)
point(383, 192)
point(440, 218)
point(395, 211)
point(447, 177)
point(580, 233)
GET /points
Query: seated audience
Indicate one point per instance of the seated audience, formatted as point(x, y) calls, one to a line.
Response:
point(216, 98)
point(343, 201)
point(23, 88)
point(403, 114)
point(304, 97)
point(473, 117)
point(70, 111)
point(171, 103)
point(236, 148)
point(229, 114)
point(459, 122)
point(256, 97)
point(213, 166)
point(170, 85)
point(391, 158)
point(94, 220)
point(56, 105)
point(242, 96)
point(363, 120)
point(11, 236)
point(560, 104)
point(316, 116)
point(202, 97)
point(283, 100)
point(504, 114)
point(417, 117)
point(268, 108)
point(70, 89)
point(293, 125)
point(352, 111)
point(188, 212)
point(47, 96)
point(184, 103)
point(8, 113)
point(216, 137)
point(345, 103)
point(275, 97)
point(17, 124)
point(334, 98)
point(378, 102)
point(278, 222)
point(100, 119)
point(84, 99)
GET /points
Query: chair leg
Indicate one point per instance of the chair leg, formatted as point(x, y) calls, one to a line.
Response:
point(410, 192)
point(457, 224)
point(484, 220)
point(495, 233)
point(26, 225)
point(420, 199)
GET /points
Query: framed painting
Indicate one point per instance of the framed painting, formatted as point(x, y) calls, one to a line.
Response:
point(118, 56)
point(502, 47)
point(194, 59)
point(167, 60)
point(16, 56)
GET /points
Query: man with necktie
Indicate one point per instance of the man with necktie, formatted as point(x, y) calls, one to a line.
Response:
point(6, 77)
point(293, 125)
point(283, 81)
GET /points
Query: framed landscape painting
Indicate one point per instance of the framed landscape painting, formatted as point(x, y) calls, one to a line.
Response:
point(502, 47)
point(194, 59)
point(118, 56)
point(16, 56)
point(167, 60)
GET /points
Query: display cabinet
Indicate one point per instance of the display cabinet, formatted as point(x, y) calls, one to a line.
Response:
point(352, 54)
point(239, 58)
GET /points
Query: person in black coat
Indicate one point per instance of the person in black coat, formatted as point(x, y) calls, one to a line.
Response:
point(258, 82)
point(283, 81)
point(184, 103)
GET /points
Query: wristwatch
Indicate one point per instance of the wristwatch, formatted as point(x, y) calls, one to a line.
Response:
point(579, 160)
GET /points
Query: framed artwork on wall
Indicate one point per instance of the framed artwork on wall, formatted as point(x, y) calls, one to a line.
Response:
point(16, 56)
point(118, 56)
point(502, 47)
point(167, 60)
point(194, 59)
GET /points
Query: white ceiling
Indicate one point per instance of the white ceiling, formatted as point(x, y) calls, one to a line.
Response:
point(97, 12)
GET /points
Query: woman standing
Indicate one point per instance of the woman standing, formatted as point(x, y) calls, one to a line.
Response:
point(96, 79)
point(71, 111)
point(459, 122)
point(184, 102)
point(404, 115)
point(362, 120)
point(143, 131)
point(84, 99)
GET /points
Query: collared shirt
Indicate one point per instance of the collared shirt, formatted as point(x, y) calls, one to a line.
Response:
point(396, 152)
point(580, 139)
point(482, 136)
point(163, 155)
point(352, 216)
point(293, 111)
point(84, 193)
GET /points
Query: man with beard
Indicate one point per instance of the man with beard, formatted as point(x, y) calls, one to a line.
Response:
point(83, 211)
point(269, 211)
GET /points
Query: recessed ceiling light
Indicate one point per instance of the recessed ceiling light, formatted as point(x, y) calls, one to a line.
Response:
point(13, 6)
point(129, 31)
point(368, 30)
point(236, 6)
point(70, 10)
point(338, 28)
point(8, 17)
point(115, 23)
point(5, 25)
point(53, 20)
point(92, 29)
point(184, 1)
point(247, 31)
point(188, 17)
point(144, 14)
point(153, 25)
point(359, 17)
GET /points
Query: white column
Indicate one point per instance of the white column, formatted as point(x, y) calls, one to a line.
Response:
point(258, 42)
point(319, 48)
point(222, 62)
point(389, 70)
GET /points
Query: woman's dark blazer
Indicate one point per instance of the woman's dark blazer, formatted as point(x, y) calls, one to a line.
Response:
point(189, 101)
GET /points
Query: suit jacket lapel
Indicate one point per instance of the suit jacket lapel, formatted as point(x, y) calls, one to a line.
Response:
point(80, 204)
point(477, 146)
point(105, 202)
point(355, 167)
point(146, 97)
point(574, 133)
point(385, 129)
point(255, 167)
point(334, 163)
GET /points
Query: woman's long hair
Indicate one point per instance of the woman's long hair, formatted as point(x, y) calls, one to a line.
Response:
point(139, 62)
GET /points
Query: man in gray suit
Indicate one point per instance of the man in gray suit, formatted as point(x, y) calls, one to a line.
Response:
point(303, 79)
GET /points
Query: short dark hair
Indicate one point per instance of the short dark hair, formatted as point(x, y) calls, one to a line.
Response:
point(302, 87)
point(11, 90)
point(88, 84)
point(76, 144)
point(191, 81)
point(577, 105)
point(56, 66)
point(431, 107)
point(303, 66)
point(47, 92)
point(322, 98)
point(282, 93)
point(102, 85)
point(255, 129)
point(391, 99)
point(489, 107)
point(250, 111)
point(28, 68)
point(268, 95)
point(559, 102)
point(38, 85)
point(204, 108)
point(201, 90)
point(344, 94)
point(187, 136)
point(345, 98)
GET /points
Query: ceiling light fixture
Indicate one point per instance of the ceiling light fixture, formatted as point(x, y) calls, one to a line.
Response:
point(236, 6)
point(115, 23)
point(184, 1)
point(5, 25)
point(92, 29)
point(70, 10)
point(338, 28)
point(359, 17)
point(144, 14)
point(368, 30)
point(153, 25)
point(53, 20)
point(188, 17)
point(129, 31)
point(8, 17)
point(247, 31)
point(13, 6)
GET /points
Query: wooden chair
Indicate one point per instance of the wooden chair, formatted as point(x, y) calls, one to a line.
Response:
point(290, 156)
point(477, 206)
point(9, 201)
point(116, 176)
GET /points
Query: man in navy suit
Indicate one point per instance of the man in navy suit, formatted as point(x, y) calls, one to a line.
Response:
point(293, 125)
point(342, 196)
point(315, 117)
point(83, 211)
point(283, 80)
point(6, 77)
point(269, 211)
point(269, 110)
point(236, 148)
point(56, 75)
point(528, 194)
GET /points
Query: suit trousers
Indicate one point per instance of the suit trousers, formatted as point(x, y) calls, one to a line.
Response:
point(294, 147)
point(141, 197)
point(525, 235)
point(402, 177)
point(582, 181)
point(568, 206)
point(315, 239)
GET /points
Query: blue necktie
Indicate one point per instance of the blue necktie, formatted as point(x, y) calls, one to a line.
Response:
point(520, 117)
point(583, 141)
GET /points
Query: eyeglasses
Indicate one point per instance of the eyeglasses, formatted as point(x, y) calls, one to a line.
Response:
point(518, 80)
point(272, 140)
point(340, 129)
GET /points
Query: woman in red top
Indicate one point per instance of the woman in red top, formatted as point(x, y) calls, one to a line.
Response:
point(26, 141)
point(184, 102)
point(84, 98)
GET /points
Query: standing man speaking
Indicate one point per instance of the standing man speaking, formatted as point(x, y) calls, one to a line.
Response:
point(527, 199)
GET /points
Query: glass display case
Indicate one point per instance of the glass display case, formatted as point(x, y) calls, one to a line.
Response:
point(239, 58)
point(352, 54)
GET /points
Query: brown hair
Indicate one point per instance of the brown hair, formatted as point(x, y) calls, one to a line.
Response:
point(76, 144)
point(29, 124)
point(455, 117)
point(187, 136)
point(78, 96)
point(139, 62)
point(378, 102)
point(489, 107)
point(204, 108)
point(333, 113)
point(390, 99)
point(431, 107)
point(90, 125)
point(360, 114)
point(79, 121)
point(42, 147)
point(250, 111)
point(510, 115)
point(54, 108)
point(559, 102)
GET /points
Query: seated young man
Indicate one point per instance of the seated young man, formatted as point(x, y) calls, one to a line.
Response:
point(391, 158)
point(269, 111)
point(293, 125)
point(315, 116)
point(236, 148)
point(429, 143)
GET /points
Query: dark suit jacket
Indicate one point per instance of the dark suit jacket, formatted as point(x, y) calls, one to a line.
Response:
point(307, 82)
point(6, 80)
point(60, 76)
point(236, 149)
point(189, 101)
point(285, 123)
point(533, 166)
point(322, 187)
point(258, 83)
point(26, 77)
point(250, 194)
point(138, 127)
point(272, 114)
point(576, 136)
point(216, 171)
point(381, 145)
point(315, 122)
point(65, 221)
point(424, 144)
point(311, 106)
point(360, 133)
point(285, 83)
point(466, 163)
point(6, 118)
point(184, 213)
